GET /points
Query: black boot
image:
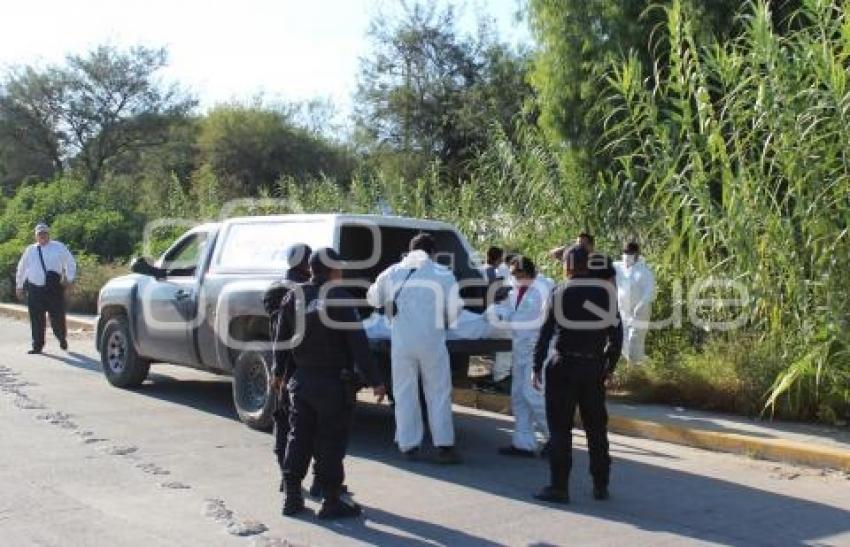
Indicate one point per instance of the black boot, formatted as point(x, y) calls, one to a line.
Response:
point(292, 504)
point(412, 454)
point(447, 455)
point(293, 500)
point(336, 506)
point(552, 494)
point(511, 450)
point(315, 491)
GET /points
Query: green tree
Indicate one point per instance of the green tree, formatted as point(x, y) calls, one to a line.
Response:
point(428, 92)
point(250, 147)
point(94, 108)
point(579, 38)
point(29, 102)
point(88, 221)
point(19, 163)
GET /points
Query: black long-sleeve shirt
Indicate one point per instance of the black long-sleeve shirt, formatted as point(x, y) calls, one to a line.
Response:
point(582, 316)
point(317, 344)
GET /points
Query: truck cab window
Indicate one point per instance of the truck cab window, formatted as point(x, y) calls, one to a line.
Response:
point(182, 260)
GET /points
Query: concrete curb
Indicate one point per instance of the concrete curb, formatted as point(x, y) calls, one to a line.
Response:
point(18, 311)
point(779, 450)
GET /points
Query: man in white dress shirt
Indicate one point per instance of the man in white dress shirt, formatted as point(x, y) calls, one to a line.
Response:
point(44, 270)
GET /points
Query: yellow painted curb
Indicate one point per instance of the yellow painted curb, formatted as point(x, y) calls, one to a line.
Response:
point(755, 447)
point(20, 312)
point(779, 450)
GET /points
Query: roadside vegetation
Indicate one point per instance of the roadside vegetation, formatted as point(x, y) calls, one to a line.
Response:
point(717, 136)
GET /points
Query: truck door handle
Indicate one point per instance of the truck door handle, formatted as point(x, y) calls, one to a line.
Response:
point(181, 295)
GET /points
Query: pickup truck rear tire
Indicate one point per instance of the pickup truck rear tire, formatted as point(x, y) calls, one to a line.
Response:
point(252, 388)
point(122, 366)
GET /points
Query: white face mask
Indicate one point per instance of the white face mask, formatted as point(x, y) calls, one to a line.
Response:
point(629, 260)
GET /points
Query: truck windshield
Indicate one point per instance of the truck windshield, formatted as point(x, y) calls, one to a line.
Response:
point(263, 245)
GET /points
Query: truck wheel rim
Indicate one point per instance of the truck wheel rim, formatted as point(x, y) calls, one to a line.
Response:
point(116, 356)
point(254, 385)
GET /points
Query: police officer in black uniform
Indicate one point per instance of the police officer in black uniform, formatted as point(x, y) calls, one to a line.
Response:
point(297, 258)
point(330, 351)
point(582, 317)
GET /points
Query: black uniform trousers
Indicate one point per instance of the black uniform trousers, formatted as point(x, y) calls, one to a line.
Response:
point(281, 428)
point(41, 300)
point(281, 425)
point(320, 412)
point(571, 383)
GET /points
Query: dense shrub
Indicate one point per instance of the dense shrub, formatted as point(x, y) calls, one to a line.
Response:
point(736, 155)
point(93, 275)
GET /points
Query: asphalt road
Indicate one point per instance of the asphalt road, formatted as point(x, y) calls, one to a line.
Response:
point(82, 463)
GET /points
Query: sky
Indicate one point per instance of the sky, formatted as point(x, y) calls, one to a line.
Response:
point(283, 50)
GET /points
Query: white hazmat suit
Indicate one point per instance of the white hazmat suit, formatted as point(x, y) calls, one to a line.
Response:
point(525, 319)
point(635, 292)
point(428, 302)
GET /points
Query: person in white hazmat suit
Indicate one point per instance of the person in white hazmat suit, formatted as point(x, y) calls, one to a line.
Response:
point(423, 300)
point(635, 292)
point(498, 276)
point(524, 311)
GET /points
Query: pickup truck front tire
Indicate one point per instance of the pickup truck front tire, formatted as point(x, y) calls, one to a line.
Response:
point(121, 365)
point(252, 394)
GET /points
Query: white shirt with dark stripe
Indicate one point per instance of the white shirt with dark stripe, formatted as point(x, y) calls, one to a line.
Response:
point(57, 258)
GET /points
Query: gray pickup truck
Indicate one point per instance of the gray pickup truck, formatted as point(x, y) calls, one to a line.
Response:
point(200, 304)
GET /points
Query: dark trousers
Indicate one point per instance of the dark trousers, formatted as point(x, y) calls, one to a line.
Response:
point(570, 384)
point(281, 429)
point(320, 412)
point(41, 300)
